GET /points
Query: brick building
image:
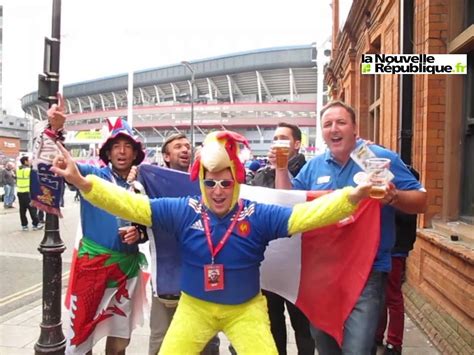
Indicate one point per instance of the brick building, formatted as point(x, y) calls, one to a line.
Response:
point(429, 120)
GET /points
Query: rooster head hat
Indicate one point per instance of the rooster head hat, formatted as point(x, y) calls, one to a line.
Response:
point(220, 151)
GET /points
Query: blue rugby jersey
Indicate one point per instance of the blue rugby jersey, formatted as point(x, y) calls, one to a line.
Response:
point(98, 225)
point(241, 256)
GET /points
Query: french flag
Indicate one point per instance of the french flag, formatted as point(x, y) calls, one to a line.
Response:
point(322, 271)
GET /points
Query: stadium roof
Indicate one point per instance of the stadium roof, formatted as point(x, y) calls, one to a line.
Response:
point(264, 75)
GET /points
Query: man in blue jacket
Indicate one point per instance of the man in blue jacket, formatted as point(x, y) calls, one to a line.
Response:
point(335, 169)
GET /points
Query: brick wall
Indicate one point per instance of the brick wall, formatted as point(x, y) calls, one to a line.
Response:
point(439, 292)
point(431, 24)
point(440, 275)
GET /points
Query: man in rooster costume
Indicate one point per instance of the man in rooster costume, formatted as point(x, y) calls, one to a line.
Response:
point(222, 240)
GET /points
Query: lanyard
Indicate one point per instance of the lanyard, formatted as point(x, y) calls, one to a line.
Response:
point(220, 245)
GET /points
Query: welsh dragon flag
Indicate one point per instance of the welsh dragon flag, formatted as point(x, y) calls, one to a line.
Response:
point(322, 271)
point(106, 295)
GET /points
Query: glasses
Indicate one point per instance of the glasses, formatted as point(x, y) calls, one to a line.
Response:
point(224, 184)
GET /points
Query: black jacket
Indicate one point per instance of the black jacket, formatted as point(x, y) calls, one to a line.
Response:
point(266, 176)
point(405, 227)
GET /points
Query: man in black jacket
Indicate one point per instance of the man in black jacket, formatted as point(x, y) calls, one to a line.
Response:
point(276, 304)
point(393, 312)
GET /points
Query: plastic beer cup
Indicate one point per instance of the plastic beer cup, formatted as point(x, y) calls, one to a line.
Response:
point(282, 150)
point(377, 168)
point(122, 227)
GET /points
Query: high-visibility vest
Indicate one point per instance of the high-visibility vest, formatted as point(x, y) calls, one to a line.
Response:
point(23, 179)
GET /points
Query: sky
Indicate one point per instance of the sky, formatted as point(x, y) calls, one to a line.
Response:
point(100, 38)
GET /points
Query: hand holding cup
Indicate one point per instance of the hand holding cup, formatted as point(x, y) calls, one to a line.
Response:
point(281, 149)
point(377, 169)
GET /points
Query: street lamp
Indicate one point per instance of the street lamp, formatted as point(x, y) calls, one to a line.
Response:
point(190, 68)
point(51, 340)
point(321, 59)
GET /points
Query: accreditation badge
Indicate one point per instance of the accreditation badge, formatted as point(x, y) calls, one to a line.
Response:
point(213, 277)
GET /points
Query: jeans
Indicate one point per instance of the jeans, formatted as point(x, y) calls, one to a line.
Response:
point(393, 305)
point(360, 326)
point(9, 196)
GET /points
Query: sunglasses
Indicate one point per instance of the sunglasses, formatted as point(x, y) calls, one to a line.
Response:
point(224, 184)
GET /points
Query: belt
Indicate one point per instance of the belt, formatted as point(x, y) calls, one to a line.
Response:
point(169, 297)
point(170, 301)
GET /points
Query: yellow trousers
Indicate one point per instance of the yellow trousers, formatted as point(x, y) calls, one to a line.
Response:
point(195, 322)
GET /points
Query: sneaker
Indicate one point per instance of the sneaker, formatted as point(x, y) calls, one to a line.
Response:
point(392, 350)
point(24, 228)
point(38, 227)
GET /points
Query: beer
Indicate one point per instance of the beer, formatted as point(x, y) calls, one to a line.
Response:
point(282, 150)
point(377, 168)
point(377, 192)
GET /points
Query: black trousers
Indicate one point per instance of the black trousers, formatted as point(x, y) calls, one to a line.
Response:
point(299, 323)
point(24, 201)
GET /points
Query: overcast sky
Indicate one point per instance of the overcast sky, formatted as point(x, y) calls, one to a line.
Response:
point(108, 37)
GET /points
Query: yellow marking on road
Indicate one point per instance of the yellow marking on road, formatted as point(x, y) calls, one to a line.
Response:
point(26, 292)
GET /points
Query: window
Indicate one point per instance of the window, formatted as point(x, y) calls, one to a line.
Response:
point(469, 13)
point(374, 108)
point(374, 99)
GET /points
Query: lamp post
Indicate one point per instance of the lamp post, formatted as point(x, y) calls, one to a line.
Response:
point(51, 339)
point(190, 68)
point(321, 59)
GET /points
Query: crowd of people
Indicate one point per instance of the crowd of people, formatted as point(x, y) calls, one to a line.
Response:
point(219, 271)
point(19, 180)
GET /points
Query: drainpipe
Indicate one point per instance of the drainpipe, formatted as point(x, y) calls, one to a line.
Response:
point(406, 83)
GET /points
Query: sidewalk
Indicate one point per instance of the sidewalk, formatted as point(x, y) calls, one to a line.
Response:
point(19, 331)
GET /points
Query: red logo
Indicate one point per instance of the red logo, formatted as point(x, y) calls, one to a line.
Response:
point(243, 228)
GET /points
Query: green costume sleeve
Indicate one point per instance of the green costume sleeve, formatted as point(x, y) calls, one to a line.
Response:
point(118, 201)
point(323, 211)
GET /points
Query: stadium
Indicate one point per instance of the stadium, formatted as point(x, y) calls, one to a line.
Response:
point(247, 92)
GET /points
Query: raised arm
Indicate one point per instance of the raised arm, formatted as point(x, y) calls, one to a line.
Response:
point(327, 209)
point(103, 194)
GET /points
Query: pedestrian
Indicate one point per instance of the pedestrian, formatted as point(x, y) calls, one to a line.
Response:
point(276, 304)
point(392, 316)
point(106, 283)
point(8, 179)
point(251, 171)
point(176, 153)
point(23, 192)
point(218, 232)
point(335, 169)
